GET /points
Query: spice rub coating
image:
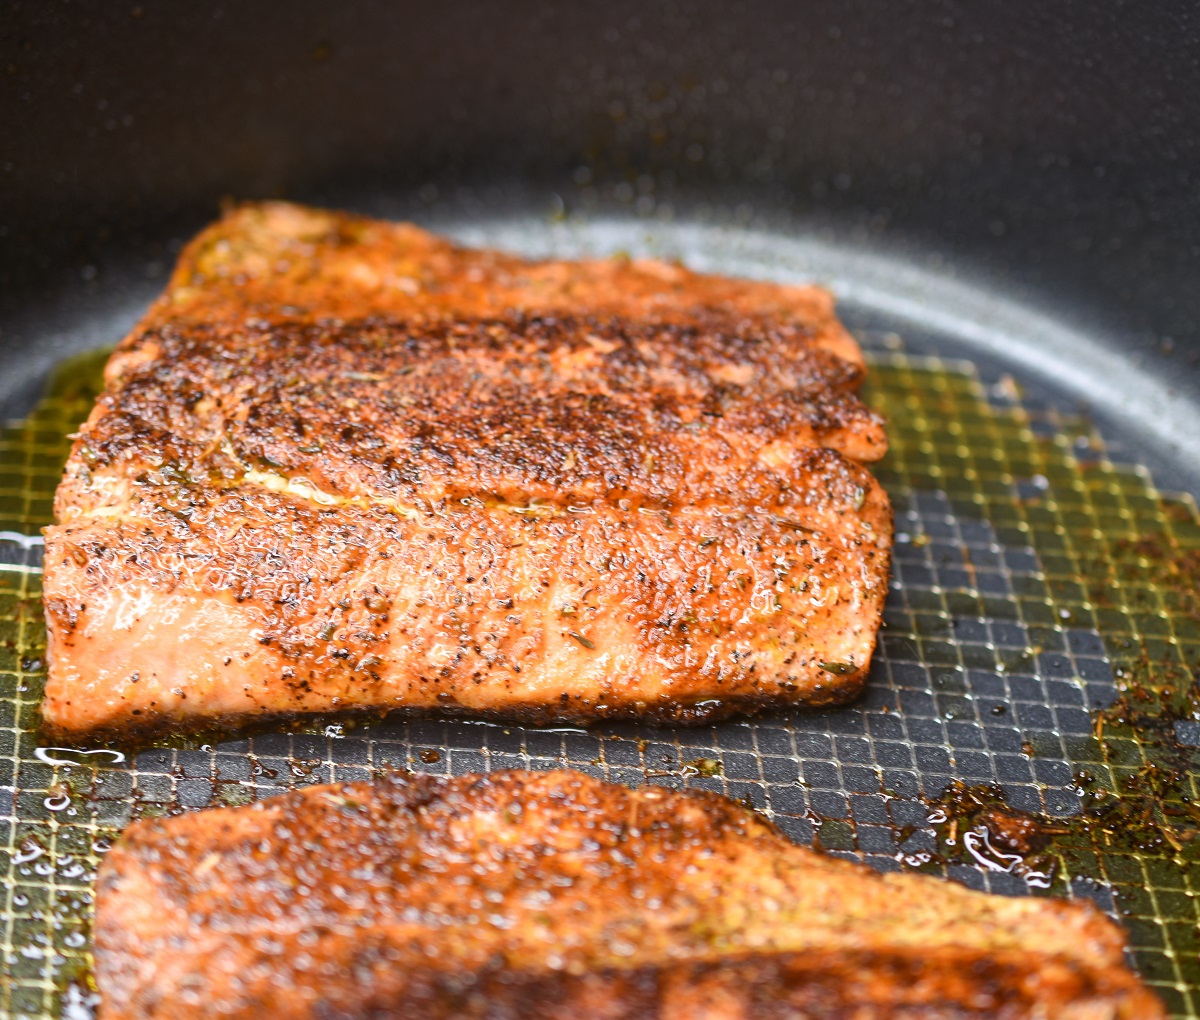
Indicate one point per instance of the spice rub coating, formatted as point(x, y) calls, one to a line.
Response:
point(346, 465)
point(556, 895)
point(284, 262)
point(201, 603)
point(549, 407)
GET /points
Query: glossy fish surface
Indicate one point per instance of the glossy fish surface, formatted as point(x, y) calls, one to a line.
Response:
point(553, 894)
point(345, 465)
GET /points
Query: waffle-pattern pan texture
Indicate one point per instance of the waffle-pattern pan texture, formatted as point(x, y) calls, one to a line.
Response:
point(1028, 725)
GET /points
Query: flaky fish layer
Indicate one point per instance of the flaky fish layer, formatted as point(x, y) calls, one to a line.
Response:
point(345, 465)
point(554, 895)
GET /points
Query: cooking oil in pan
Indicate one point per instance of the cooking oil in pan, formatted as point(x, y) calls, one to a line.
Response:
point(1036, 681)
point(1115, 585)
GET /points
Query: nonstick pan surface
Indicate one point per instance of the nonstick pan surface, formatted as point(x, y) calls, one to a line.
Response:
point(1028, 323)
point(1026, 589)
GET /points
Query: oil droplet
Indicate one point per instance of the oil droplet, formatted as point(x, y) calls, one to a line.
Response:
point(430, 756)
point(978, 844)
point(28, 850)
point(704, 767)
point(915, 860)
point(54, 755)
point(79, 1004)
point(71, 869)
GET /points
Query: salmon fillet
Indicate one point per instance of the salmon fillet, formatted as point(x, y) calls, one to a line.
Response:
point(556, 895)
point(345, 465)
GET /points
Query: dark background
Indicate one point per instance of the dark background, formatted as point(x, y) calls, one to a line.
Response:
point(1043, 153)
point(1050, 149)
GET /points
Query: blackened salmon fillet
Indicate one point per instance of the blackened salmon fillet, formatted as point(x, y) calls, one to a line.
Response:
point(345, 465)
point(554, 895)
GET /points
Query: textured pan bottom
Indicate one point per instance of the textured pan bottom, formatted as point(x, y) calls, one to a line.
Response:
point(1029, 586)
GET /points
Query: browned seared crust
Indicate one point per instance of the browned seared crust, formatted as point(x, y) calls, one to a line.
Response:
point(344, 465)
point(556, 895)
point(552, 407)
point(279, 261)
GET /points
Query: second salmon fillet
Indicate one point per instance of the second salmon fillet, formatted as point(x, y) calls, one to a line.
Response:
point(344, 465)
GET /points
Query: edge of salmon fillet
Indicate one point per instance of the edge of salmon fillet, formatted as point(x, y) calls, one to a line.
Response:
point(177, 444)
point(258, 258)
point(702, 656)
point(418, 895)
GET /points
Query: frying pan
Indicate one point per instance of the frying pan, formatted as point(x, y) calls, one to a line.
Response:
point(1002, 196)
